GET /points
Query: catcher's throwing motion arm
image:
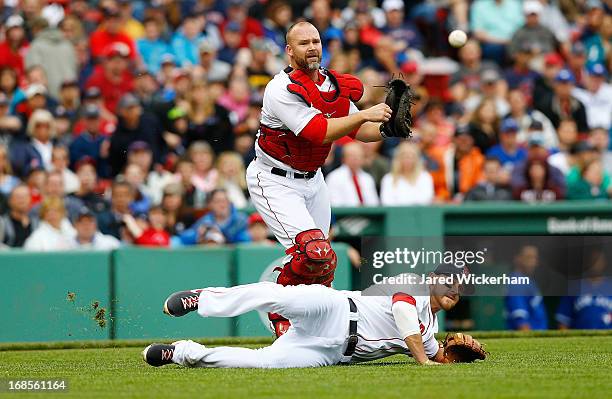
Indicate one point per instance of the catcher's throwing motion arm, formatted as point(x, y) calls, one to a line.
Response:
point(338, 127)
point(394, 114)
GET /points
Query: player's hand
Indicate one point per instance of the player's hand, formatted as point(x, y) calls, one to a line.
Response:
point(378, 113)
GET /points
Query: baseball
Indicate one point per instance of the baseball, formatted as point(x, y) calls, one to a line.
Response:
point(457, 38)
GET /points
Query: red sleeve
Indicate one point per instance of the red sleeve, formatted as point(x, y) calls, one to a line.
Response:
point(401, 297)
point(353, 134)
point(315, 130)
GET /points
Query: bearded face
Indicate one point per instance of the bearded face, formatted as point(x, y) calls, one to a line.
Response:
point(446, 295)
point(310, 61)
point(304, 47)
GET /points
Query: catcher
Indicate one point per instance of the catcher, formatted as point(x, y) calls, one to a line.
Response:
point(327, 326)
point(305, 109)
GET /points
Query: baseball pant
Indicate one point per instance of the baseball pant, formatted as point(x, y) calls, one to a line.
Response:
point(287, 205)
point(317, 337)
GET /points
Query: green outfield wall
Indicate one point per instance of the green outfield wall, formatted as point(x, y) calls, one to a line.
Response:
point(35, 300)
point(118, 295)
point(474, 218)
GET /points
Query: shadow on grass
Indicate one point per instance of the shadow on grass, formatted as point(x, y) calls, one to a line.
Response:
point(378, 364)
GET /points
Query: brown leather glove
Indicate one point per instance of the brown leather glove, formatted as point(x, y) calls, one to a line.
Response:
point(462, 348)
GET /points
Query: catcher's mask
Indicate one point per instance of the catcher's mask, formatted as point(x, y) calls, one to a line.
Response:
point(458, 272)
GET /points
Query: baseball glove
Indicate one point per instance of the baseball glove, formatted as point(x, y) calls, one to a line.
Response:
point(462, 348)
point(400, 99)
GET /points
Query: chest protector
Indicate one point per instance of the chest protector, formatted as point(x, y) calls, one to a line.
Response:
point(296, 151)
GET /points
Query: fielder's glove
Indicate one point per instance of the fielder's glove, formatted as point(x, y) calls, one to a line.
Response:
point(462, 348)
point(400, 99)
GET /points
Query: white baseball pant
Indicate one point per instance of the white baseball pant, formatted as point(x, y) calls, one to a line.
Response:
point(318, 335)
point(287, 205)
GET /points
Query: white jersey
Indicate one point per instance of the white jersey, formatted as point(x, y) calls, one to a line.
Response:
point(284, 110)
point(319, 318)
point(378, 333)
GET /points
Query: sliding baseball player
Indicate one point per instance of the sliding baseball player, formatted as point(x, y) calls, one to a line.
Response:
point(327, 326)
point(305, 109)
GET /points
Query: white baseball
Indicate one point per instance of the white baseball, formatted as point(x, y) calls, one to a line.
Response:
point(457, 38)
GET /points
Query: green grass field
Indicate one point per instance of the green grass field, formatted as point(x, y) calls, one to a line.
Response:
point(526, 367)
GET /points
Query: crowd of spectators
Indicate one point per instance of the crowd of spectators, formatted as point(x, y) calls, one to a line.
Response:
point(132, 121)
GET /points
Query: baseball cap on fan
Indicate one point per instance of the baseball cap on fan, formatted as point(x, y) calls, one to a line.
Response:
point(168, 59)
point(53, 13)
point(255, 218)
point(84, 212)
point(209, 233)
point(490, 76)
point(597, 70)
point(593, 5)
point(536, 139)
point(462, 129)
point(117, 49)
point(453, 270)
point(207, 46)
point(536, 126)
point(176, 113)
point(532, 7)
point(391, 5)
point(35, 89)
point(92, 93)
point(553, 59)
point(509, 125)
point(14, 21)
point(128, 100)
point(92, 111)
point(565, 76)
